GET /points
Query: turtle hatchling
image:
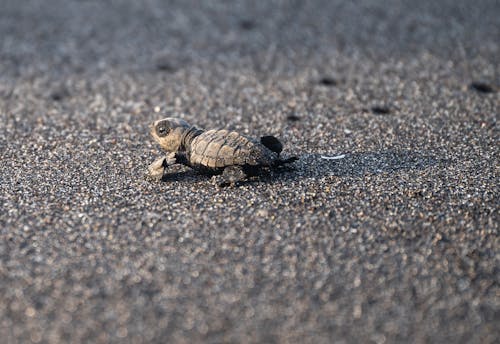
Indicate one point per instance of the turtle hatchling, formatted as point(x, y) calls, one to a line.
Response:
point(228, 155)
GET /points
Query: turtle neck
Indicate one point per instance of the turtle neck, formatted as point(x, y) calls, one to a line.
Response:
point(188, 137)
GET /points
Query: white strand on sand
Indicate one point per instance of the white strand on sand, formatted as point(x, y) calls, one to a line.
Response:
point(337, 157)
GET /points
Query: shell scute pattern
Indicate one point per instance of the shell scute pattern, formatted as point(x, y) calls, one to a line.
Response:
point(226, 155)
point(221, 148)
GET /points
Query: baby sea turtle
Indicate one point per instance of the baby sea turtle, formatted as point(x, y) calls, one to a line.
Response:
point(229, 155)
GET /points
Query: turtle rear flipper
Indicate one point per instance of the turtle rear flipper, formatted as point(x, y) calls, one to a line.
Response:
point(272, 143)
point(231, 176)
point(284, 164)
point(288, 160)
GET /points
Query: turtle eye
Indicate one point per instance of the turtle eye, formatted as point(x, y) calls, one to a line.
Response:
point(162, 130)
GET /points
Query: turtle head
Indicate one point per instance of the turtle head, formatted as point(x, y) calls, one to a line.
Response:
point(169, 132)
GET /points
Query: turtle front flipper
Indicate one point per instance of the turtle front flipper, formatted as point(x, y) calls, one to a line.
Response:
point(158, 167)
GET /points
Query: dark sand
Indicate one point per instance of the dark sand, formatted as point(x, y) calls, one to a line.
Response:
point(396, 242)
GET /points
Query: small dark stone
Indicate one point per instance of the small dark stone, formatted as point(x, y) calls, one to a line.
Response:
point(293, 118)
point(164, 66)
point(56, 96)
point(247, 24)
point(167, 61)
point(481, 87)
point(59, 95)
point(327, 81)
point(381, 110)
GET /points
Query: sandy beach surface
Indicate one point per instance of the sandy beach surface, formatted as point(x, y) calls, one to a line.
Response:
point(386, 231)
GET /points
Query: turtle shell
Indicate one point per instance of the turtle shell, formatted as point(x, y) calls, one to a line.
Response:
point(222, 148)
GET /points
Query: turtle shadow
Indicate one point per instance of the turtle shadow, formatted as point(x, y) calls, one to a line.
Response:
point(184, 175)
point(362, 163)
